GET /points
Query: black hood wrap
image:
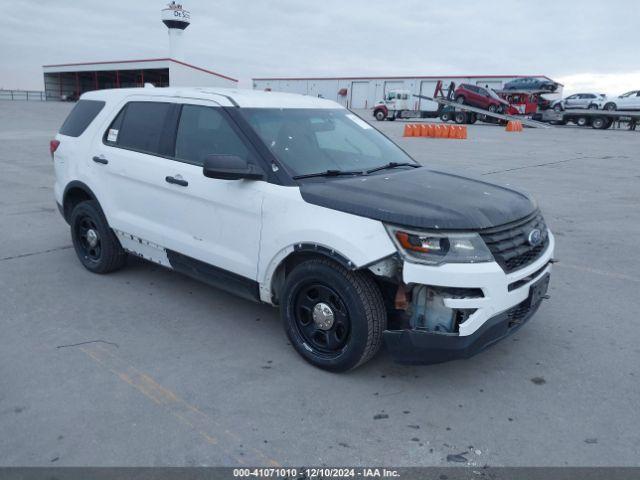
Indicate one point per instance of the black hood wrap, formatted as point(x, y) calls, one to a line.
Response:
point(421, 198)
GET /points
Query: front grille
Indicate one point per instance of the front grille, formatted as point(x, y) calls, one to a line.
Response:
point(509, 243)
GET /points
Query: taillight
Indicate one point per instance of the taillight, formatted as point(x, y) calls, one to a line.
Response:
point(53, 146)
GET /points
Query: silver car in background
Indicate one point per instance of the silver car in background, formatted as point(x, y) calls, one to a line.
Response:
point(580, 100)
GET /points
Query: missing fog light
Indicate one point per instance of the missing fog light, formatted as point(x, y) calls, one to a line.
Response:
point(428, 311)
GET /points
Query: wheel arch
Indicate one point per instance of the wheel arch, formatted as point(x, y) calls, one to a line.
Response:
point(288, 258)
point(74, 193)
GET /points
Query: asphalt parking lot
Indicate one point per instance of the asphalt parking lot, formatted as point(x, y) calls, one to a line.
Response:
point(147, 367)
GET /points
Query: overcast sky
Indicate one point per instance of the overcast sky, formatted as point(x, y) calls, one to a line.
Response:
point(587, 45)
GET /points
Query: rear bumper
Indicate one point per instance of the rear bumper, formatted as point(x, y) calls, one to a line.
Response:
point(421, 347)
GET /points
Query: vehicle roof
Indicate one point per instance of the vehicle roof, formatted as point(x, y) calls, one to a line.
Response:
point(226, 97)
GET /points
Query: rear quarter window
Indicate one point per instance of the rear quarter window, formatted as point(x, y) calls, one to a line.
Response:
point(81, 117)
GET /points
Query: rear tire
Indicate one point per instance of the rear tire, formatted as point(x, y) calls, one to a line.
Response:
point(320, 290)
point(95, 244)
point(601, 123)
point(460, 99)
point(557, 108)
point(445, 117)
point(492, 108)
point(582, 121)
point(593, 106)
point(460, 118)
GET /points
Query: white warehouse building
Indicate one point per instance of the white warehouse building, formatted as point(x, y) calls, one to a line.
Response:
point(364, 92)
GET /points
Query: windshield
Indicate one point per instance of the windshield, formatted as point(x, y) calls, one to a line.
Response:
point(308, 141)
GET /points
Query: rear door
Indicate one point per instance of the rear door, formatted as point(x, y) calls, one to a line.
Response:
point(126, 161)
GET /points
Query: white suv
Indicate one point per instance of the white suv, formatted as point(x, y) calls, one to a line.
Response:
point(296, 202)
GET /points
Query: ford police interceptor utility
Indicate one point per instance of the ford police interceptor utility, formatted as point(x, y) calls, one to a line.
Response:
point(296, 202)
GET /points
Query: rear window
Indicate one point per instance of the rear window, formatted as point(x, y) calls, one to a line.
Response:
point(141, 126)
point(81, 117)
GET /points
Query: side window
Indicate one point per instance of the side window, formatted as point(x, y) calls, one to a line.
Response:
point(81, 117)
point(141, 126)
point(204, 131)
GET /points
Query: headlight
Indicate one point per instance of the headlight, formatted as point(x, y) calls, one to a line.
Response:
point(438, 248)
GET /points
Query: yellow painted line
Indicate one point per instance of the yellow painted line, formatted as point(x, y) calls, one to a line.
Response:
point(186, 413)
point(605, 273)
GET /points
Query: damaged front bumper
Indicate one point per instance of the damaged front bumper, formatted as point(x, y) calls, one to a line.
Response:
point(508, 301)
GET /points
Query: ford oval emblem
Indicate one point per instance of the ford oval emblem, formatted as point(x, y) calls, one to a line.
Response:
point(535, 237)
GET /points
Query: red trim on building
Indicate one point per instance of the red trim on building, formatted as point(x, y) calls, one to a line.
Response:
point(107, 62)
point(210, 72)
point(408, 77)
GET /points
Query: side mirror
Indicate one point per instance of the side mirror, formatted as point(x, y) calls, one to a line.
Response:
point(230, 167)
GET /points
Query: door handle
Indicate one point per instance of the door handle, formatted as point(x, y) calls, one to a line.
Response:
point(101, 160)
point(177, 181)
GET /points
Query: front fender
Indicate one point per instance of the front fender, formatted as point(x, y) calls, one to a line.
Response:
point(290, 223)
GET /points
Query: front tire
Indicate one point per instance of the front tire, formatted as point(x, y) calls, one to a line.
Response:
point(95, 244)
point(333, 317)
point(610, 106)
point(380, 115)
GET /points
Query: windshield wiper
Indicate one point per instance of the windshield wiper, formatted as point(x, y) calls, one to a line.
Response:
point(393, 165)
point(329, 173)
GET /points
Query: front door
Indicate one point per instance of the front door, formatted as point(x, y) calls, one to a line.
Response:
point(215, 221)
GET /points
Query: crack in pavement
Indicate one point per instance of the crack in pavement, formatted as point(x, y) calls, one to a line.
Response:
point(22, 255)
point(537, 165)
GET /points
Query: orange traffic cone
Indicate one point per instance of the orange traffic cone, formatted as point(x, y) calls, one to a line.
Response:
point(424, 130)
point(510, 126)
point(432, 130)
point(408, 131)
point(464, 133)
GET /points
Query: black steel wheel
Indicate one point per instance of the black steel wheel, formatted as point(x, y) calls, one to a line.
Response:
point(322, 318)
point(88, 238)
point(95, 244)
point(333, 317)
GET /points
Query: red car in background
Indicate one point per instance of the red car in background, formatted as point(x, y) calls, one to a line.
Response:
point(476, 96)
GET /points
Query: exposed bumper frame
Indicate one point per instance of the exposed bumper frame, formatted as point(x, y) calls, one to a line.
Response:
point(489, 323)
point(420, 347)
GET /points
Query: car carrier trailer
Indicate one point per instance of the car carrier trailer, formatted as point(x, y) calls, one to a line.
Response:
point(598, 119)
point(480, 113)
point(396, 106)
